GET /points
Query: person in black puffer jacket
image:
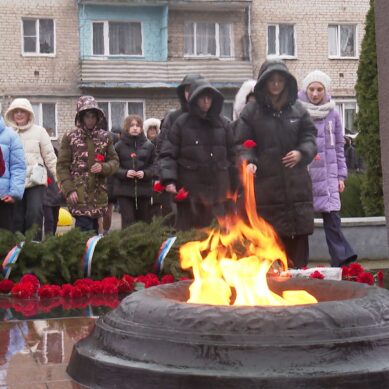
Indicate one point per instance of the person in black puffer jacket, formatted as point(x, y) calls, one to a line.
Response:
point(283, 136)
point(196, 155)
point(133, 180)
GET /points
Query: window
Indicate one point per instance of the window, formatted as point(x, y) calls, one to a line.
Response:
point(342, 41)
point(228, 108)
point(116, 111)
point(281, 40)
point(117, 38)
point(46, 116)
point(208, 39)
point(38, 36)
point(347, 109)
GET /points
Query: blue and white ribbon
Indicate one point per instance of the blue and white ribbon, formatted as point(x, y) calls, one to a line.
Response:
point(10, 259)
point(163, 252)
point(88, 256)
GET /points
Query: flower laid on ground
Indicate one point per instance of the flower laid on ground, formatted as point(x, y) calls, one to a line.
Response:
point(356, 272)
point(29, 286)
point(249, 144)
point(316, 274)
point(158, 187)
point(6, 286)
point(182, 194)
point(100, 158)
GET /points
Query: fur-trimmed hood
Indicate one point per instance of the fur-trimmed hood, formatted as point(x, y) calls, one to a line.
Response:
point(151, 122)
point(245, 90)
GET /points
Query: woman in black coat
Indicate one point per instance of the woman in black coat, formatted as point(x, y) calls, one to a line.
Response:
point(283, 145)
point(197, 155)
point(133, 180)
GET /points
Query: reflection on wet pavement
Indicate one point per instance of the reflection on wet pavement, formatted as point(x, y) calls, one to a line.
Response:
point(35, 354)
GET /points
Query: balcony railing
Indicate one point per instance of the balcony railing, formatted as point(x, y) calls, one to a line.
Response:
point(111, 73)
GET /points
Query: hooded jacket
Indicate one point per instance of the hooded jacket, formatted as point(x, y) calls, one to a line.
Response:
point(35, 140)
point(80, 150)
point(329, 165)
point(172, 116)
point(142, 152)
point(13, 180)
point(198, 151)
point(283, 195)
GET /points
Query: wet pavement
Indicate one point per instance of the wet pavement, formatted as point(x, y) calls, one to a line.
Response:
point(35, 354)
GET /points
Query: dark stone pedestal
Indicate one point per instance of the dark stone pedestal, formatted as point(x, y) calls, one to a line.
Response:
point(156, 340)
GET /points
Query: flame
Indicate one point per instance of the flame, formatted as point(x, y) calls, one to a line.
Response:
point(238, 254)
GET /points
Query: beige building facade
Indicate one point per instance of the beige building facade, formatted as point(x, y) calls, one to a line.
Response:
point(55, 50)
point(309, 35)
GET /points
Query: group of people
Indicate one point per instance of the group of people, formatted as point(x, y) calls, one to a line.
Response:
point(296, 155)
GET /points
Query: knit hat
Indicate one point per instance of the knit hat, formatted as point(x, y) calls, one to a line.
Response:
point(317, 76)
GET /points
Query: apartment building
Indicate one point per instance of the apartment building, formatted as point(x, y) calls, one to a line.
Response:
point(135, 53)
point(40, 59)
point(309, 35)
point(131, 54)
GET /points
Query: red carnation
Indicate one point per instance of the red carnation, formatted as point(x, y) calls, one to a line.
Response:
point(355, 269)
point(365, 278)
point(316, 274)
point(167, 279)
point(182, 194)
point(110, 280)
point(380, 276)
point(110, 288)
point(83, 281)
point(97, 287)
point(249, 144)
point(100, 158)
point(126, 284)
point(133, 155)
point(317, 157)
point(184, 278)
point(66, 289)
point(23, 290)
point(75, 292)
point(47, 291)
point(32, 279)
point(27, 308)
point(158, 187)
point(6, 286)
point(49, 180)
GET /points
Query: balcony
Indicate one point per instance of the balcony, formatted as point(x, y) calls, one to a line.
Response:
point(141, 74)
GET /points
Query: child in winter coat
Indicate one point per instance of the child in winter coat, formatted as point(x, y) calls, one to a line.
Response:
point(276, 136)
point(133, 180)
point(328, 170)
point(85, 159)
point(196, 156)
point(40, 157)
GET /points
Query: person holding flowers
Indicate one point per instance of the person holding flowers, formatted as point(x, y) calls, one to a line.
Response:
point(276, 137)
point(196, 158)
point(86, 157)
point(133, 181)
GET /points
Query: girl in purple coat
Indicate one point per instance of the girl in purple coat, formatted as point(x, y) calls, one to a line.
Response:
point(328, 170)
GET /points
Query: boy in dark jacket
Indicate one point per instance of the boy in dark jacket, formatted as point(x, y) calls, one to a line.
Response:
point(133, 180)
point(197, 155)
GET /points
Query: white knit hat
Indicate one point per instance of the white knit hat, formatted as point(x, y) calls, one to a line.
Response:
point(317, 76)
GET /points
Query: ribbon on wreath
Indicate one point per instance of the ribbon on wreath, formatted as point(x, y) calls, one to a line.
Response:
point(88, 255)
point(163, 252)
point(10, 259)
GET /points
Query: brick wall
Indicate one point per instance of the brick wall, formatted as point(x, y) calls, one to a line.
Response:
point(39, 75)
point(311, 20)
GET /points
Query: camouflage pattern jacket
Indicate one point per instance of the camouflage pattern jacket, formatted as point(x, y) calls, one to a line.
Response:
point(80, 149)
